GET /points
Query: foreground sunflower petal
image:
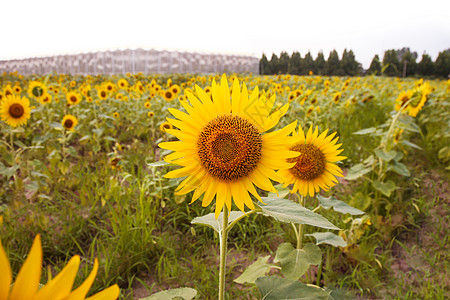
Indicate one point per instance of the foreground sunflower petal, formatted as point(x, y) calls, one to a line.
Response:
point(223, 147)
point(59, 288)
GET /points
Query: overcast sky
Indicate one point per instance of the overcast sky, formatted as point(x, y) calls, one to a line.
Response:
point(46, 27)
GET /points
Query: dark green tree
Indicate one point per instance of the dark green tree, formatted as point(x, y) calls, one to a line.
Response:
point(264, 66)
point(283, 63)
point(274, 67)
point(308, 64)
point(375, 66)
point(442, 64)
point(320, 63)
point(391, 63)
point(333, 64)
point(425, 67)
point(295, 64)
point(349, 64)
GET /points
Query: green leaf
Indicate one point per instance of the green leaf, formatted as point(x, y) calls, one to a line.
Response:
point(400, 168)
point(365, 131)
point(338, 205)
point(257, 269)
point(158, 164)
point(276, 288)
point(295, 262)
point(328, 238)
point(386, 188)
point(357, 171)
point(409, 144)
point(386, 156)
point(209, 220)
point(8, 172)
point(282, 192)
point(179, 293)
point(290, 212)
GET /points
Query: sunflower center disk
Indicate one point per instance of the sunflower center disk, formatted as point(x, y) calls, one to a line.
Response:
point(310, 164)
point(37, 91)
point(16, 111)
point(229, 147)
point(68, 123)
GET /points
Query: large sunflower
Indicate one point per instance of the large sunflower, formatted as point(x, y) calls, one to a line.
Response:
point(14, 110)
point(314, 168)
point(26, 285)
point(222, 147)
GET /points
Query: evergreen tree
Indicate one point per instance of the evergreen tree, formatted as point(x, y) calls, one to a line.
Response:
point(295, 64)
point(425, 67)
point(391, 63)
point(320, 63)
point(333, 64)
point(442, 64)
point(308, 64)
point(349, 64)
point(375, 66)
point(283, 63)
point(274, 64)
point(264, 65)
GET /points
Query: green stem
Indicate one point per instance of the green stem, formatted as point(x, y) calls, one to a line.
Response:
point(223, 253)
point(300, 227)
point(387, 136)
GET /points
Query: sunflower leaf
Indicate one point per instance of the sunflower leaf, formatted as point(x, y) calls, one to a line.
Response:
point(386, 188)
point(295, 262)
point(290, 212)
point(275, 288)
point(338, 205)
point(328, 238)
point(178, 293)
point(357, 171)
point(209, 220)
point(257, 269)
point(160, 163)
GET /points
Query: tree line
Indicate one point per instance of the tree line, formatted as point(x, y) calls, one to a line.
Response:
point(400, 62)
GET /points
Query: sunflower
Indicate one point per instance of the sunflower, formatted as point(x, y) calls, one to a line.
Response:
point(122, 83)
point(175, 88)
point(116, 115)
point(8, 90)
point(314, 168)
point(147, 104)
point(45, 99)
point(165, 126)
point(336, 97)
point(102, 93)
point(420, 95)
point(17, 89)
point(69, 122)
point(222, 148)
point(150, 114)
point(26, 285)
point(36, 89)
point(168, 95)
point(402, 98)
point(73, 98)
point(14, 110)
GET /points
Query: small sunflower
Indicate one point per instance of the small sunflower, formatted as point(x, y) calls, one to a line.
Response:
point(314, 168)
point(122, 83)
point(69, 122)
point(26, 284)
point(45, 99)
point(36, 89)
point(150, 114)
point(116, 115)
point(168, 95)
point(402, 98)
point(147, 104)
point(15, 111)
point(223, 148)
point(337, 97)
point(102, 93)
point(165, 126)
point(73, 98)
point(420, 96)
point(175, 88)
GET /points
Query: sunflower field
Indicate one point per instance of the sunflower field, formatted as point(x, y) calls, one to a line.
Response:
point(340, 186)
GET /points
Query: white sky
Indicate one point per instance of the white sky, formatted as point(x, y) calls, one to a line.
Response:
point(46, 27)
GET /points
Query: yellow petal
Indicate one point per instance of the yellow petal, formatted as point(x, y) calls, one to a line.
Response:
point(5, 274)
point(110, 293)
point(27, 281)
point(60, 286)
point(81, 291)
